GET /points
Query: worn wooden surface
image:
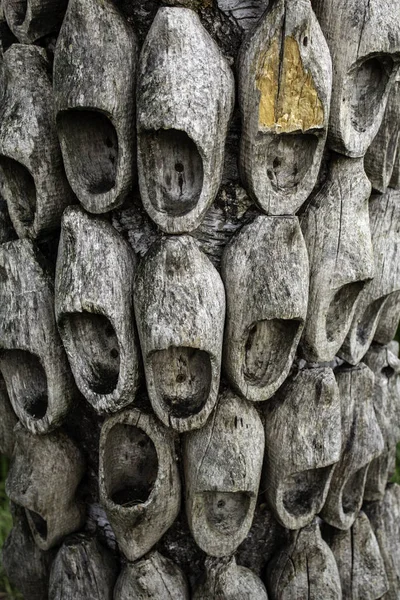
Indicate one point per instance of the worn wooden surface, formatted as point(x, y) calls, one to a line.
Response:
point(8, 420)
point(225, 580)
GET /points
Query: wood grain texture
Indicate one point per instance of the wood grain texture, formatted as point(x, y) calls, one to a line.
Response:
point(94, 309)
point(179, 303)
point(384, 216)
point(94, 87)
point(362, 441)
point(386, 368)
point(284, 94)
point(138, 480)
point(8, 420)
point(44, 475)
point(303, 444)
point(30, 20)
point(246, 13)
point(305, 568)
point(385, 520)
point(32, 175)
point(181, 125)
point(225, 580)
point(364, 42)
point(32, 360)
point(154, 577)
point(82, 570)
point(223, 462)
point(265, 272)
point(360, 564)
point(337, 233)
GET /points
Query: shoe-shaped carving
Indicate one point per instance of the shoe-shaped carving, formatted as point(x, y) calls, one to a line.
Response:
point(337, 233)
point(362, 441)
point(285, 78)
point(138, 479)
point(94, 309)
point(386, 368)
point(44, 475)
point(93, 566)
point(181, 124)
point(364, 42)
point(360, 564)
point(384, 517)
point(223, 463)
point(154, 577)
point(226, 580)
point(94, 88)
point(384, 217)
point(302, 445)
point(30, 20)
point(265, 272)
point(180, 310)
point(32, 178)
point(304, 568)
point(32, 359)
point(380, 158)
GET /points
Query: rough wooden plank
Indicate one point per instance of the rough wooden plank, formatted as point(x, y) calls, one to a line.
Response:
point(381, 155)
point(305, 568)
point(43, 478)
point(284, 94)
point(223, 462)
point(180, 309)
point(94, 309)
point(360, 564)
point(303, 444)
point(94, 86)
point(364, 40)
point(154, 577)
point(384, 216)
point(82, 570)
point(386, 368)
point(265, 271)
point(181, 125)
point(338, 239)
point(32, 175)
point(138, 480)
point(225, 580)
point(32, 360)
point(385, 520)
point(8, 420)
point(30, 20)
point(362, 441)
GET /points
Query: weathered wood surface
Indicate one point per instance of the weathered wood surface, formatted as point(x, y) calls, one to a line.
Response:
point(44, 475)
point(364, 41)
point(25, 564)
point(336, 230)
point(138, 480)
point(305, 568)
point(358, 557)
point(223, 462)
point(385, 520)
point(8, 420)
point(179, 303)
point(94, 88)
point(82, 570)
point(362, 441)
point(384, 216)
point(245, 13)
point(30, 20)
point(225, 580)
point(381, 155)
point(303, 444)
point(32, 360)
point(32, 175)
point(284, 83)
point(94, 309)
point(386, 399)
point(181, 150)
point(154, 577)
point(265, 272)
